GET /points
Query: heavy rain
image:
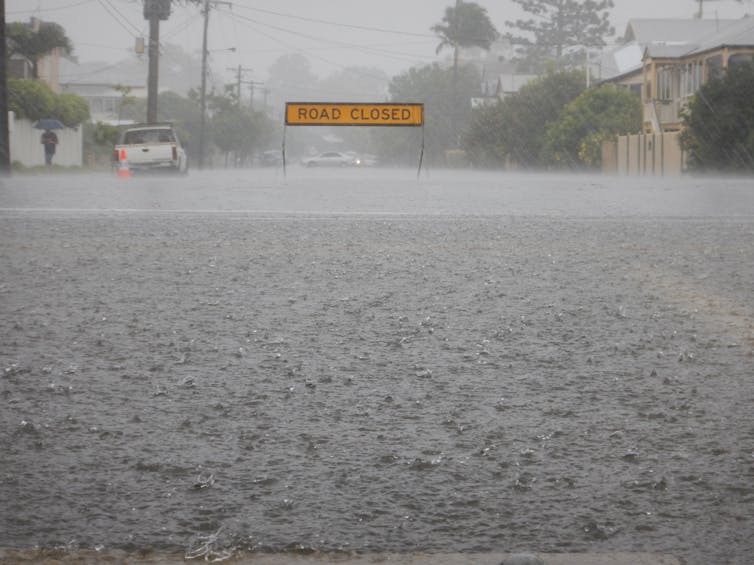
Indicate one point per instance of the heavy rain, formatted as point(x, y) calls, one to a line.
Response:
point(514, 328)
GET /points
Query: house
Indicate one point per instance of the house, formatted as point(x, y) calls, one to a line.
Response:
point(624, 64)
point(672, 74)
point(105, 100)
point(677, 58)
point(500, 87)
point(48, 67)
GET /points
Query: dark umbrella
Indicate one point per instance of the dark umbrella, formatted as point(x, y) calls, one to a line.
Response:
point(49, 123)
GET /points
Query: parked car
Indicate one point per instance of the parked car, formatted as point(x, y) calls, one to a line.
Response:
point(362, 160)
point(330, 159)
point(270, 158)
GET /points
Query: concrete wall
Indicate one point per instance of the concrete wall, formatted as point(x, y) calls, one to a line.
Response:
point(644, 154)
point(25, 146)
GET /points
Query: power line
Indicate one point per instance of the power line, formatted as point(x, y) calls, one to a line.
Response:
point(391, 54)
point(35, 10)
point(183, 26)
point(303, 51)
point(117, 20)
point(338, 24)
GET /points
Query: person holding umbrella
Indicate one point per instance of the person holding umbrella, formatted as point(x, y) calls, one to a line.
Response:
point(49, 139)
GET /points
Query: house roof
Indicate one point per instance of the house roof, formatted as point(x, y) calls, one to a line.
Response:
point(646, 31)
point(511, 82)
point(670, 38)
point(738, 33)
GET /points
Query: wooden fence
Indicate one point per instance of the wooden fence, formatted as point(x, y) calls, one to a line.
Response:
point(658, 154)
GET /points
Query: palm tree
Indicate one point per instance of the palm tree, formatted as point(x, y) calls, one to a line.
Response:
point(465, 25)
point(34, 44)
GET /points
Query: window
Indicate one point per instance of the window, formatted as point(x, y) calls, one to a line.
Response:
point(665, 83)
point(715, 67)
point(691, 78)
point(740, 59)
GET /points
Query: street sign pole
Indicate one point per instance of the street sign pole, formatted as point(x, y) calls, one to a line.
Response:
point(4, 136)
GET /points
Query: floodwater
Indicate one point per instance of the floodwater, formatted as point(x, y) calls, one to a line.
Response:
point(357, 360)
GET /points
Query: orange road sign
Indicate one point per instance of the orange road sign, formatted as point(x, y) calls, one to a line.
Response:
point(353, 114)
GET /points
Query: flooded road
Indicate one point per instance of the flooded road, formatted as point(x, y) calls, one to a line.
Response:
point(354, 360)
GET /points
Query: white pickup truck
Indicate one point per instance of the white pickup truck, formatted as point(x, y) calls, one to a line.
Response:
point(151, 147)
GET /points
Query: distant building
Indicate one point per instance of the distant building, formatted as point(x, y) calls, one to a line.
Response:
point(672, 74)
point(500, 87)
point(676, 58)
point(48, 67)
point(654, 62)
point(104, 100)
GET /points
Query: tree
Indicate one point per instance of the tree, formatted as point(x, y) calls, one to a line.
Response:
point(70, 109)
point(34, 100)
point(559, 24)
point(465, 25)
point(720, 123)
point(289, 76)
point(516, 127)
point(34, 45)
point(432, 85)
point(596, 115)
point(30, 99)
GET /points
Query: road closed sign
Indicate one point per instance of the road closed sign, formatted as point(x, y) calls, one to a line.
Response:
point(355, 114)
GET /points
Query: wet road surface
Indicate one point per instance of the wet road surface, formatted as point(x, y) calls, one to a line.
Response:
point(362, 362)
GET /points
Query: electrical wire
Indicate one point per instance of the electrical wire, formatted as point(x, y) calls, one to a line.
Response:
point(35, 10)
point(337, 24)
point(304, 51)
point(117, 20)
point(385, 53)
point(124, 18)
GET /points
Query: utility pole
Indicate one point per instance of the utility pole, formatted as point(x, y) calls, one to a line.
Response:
point(4, 137)
point(203, 96)
point(154, 11)
point(251, 84)
point(239, 72)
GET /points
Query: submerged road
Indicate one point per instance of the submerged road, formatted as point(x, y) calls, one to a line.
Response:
point(354, 361)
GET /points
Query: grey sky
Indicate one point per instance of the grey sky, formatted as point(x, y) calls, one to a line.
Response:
point(105, 30)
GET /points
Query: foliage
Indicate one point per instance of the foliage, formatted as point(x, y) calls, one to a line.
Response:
point(560, 24)
point(30, 99)
point(465, 25)
point(288, 76)
point(596, 115)
point(238, 130)
point(433, 86)
point(720, 123)
point(33, 100)
point(515, 128)
point(35, 45)
point(99, 140)
point(70, 109)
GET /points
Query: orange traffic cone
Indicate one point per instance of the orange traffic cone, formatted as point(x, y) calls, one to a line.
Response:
point(124, 171)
